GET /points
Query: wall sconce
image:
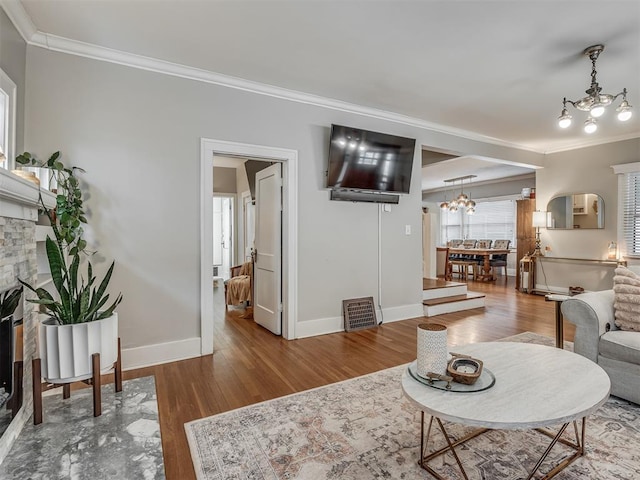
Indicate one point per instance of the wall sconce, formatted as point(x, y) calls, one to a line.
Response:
point(539, 220)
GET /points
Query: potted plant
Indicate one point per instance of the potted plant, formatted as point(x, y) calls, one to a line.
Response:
point(80, 321)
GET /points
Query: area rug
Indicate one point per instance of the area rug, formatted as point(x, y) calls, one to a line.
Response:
point(123, 443)
point(364, 429)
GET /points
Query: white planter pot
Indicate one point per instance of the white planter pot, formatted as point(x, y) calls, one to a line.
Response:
point(66, 350)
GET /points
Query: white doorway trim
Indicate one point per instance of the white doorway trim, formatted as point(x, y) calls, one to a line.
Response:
point(289, 159)
point(245, 199)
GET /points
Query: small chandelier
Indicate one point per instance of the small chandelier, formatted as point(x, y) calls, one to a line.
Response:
point(462, 200)
point(595, 102)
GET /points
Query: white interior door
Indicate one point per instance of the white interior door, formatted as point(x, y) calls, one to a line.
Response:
point(267, 309)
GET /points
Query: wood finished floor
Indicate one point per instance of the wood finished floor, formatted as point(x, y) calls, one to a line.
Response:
point(250, 364)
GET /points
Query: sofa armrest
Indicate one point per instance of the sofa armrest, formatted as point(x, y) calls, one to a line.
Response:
point(593, 315)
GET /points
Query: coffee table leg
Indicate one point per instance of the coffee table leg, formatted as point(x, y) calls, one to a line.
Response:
point(546, 452)
point(559, 326)
point(424, 441)
point(453, 450)
point(578, 447)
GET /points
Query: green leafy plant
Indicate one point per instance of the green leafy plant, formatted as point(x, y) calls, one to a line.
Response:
point(69, 213)
point(80, 300)
point(9, 302)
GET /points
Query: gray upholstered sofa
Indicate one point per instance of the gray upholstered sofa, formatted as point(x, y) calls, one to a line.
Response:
point(598, 339)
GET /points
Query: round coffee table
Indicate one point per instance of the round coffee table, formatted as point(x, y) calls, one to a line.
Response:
point(536, 386)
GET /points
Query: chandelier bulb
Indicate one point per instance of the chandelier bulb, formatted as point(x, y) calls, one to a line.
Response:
point(590, 125)
point(597, 110)
point(624, 111)
point(564, 121)
point(444, 206)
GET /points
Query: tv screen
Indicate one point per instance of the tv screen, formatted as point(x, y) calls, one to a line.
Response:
point(371, 161)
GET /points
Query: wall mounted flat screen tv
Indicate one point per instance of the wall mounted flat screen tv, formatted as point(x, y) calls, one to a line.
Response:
point(369, 161)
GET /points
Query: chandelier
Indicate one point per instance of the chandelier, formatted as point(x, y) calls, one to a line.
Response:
point(595, 102)
point(462, 200)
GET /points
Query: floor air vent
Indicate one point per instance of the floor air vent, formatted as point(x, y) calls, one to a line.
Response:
point(359, 313)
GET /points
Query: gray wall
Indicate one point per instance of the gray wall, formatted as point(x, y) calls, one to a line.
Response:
point(224, 180)
point(585, 170)
point(137, 134)
point(13, 61)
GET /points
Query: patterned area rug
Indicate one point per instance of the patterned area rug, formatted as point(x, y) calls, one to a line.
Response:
point(364, 429)
point(122, 443)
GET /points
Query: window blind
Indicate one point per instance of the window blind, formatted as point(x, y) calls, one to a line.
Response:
point(631, 213)
point(494, 220)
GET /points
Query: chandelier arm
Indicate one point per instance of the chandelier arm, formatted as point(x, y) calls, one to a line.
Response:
point(623, 93)
point(565, 101)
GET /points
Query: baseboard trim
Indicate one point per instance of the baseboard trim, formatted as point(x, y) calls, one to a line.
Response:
point(403, 312)
point(551, 289)
point(158, 353)
point(319, 326)
point(324, 326)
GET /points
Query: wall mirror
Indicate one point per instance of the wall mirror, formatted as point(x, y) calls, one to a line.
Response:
point(577, 210)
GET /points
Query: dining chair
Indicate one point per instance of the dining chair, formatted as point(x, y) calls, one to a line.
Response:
point(500, 260)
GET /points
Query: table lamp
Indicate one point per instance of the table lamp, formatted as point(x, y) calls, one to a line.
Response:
point(539, 220)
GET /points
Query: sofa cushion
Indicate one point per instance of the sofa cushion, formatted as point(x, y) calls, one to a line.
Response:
point(621, 345)
point(626, 287)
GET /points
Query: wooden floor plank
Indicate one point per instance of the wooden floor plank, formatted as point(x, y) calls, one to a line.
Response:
point(250, 364)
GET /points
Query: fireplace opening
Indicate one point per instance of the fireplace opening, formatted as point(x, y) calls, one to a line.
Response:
point(11, 313)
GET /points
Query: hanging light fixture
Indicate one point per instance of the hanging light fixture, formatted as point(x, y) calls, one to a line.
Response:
point(444, 205)
point(595, 102)
point(462, 200)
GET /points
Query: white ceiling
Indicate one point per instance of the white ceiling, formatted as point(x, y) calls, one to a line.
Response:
point(485, 170)
point(498, 69)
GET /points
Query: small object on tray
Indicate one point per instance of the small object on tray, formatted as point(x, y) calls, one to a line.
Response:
point(430, 376)
point(464, 369)
point(486, 381)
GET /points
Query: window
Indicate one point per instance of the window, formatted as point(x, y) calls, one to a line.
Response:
point(7, 120)
point(630, 213)
point(494, 219)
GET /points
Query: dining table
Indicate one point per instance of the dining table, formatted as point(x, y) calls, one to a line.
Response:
point(486, 274)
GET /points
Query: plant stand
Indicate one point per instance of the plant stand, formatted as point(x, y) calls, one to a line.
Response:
point(94, 381)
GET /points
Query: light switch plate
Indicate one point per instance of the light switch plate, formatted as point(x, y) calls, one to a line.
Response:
point(407, 229)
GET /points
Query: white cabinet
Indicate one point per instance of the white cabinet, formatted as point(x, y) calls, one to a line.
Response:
point(580, 204)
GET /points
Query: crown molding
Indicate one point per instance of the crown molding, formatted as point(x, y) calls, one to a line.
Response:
point(20, 18)
point(593, 143)
point(74, 47)
point(25, 26)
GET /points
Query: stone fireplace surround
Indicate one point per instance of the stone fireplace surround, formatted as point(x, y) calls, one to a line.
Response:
point(19, 200)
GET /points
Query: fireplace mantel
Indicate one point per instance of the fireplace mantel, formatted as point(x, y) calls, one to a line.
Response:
point(20, 198)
